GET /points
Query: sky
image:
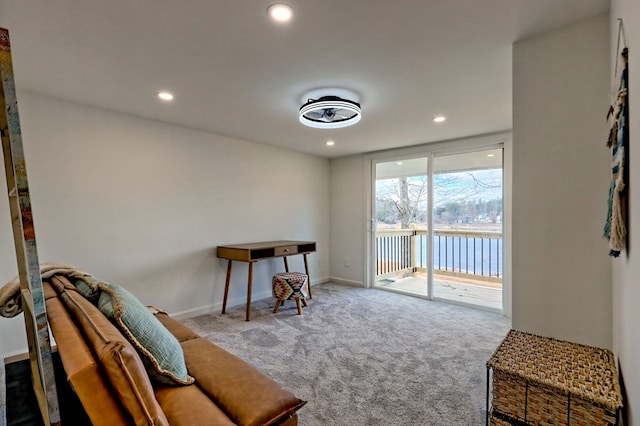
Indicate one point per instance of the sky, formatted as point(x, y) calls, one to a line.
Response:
point(474, 185)
point(449, 187)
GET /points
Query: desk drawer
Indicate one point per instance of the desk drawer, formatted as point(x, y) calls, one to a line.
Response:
point(285, 250)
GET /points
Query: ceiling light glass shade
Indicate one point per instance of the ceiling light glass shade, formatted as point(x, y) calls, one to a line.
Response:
point(330, 112)
point(165, 96)
point(280, 12)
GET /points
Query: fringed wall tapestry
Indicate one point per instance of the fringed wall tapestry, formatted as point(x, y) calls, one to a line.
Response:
point(615, 228)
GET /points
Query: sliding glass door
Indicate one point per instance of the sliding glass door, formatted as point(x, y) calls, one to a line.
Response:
point(467, 224)
point(402, 192)
point(437, 221)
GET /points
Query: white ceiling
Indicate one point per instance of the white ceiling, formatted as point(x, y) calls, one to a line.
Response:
point(236, 73)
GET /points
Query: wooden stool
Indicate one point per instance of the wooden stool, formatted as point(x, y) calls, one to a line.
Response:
point(290, 285)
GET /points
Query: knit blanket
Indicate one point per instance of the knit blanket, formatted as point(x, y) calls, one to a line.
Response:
point(10, 293)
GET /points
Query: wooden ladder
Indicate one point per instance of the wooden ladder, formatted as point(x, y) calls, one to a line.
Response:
point(32, 294)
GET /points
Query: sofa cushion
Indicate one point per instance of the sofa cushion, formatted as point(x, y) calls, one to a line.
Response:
point(179, 330)
point(188, 406)
point(246, 395)
point(117, 358)
point(160, 350)
point(83, 372)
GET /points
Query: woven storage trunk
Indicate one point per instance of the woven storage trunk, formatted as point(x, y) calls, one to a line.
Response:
point(542, 381)
point(496, 421)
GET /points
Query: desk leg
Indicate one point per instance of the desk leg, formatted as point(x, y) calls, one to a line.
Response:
point(306, 269)
point(286, 264)
point(249, 288)
point(226, 287)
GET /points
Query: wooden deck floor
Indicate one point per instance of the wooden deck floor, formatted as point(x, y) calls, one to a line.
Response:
point(486, 295)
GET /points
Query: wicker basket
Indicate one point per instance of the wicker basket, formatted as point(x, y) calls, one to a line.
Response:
point(496, 421)
point(542, 381)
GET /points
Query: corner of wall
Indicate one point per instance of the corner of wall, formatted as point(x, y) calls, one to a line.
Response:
point(626, 268)
point(561, 173)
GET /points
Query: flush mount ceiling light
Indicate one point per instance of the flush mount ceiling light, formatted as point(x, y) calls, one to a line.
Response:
point(280, 12)
point(439, 119)
point(330, 109)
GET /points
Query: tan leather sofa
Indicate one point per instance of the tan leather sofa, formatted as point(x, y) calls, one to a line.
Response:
point(112, 384)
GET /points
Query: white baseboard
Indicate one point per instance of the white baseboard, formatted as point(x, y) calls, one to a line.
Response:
point(343, 281)
point(232, 302)
point(11, 354)
point(190, 313)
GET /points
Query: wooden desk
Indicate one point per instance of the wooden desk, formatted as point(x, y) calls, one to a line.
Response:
point(254, 252)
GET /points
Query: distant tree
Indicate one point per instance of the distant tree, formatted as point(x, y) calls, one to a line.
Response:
point(407, 195)
point(386, 211)
point(455, 194)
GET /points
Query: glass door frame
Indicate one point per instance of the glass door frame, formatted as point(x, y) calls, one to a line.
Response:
point(372, 221)
point(430, 151)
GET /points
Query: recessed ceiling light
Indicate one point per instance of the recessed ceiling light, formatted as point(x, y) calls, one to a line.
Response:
point(491, 155)
point(330, 143)
point(165, 96)
point(280, 12)
point(439, 119)
point(399, 163)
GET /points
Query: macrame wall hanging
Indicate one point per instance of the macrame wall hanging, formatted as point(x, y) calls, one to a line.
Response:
point(615, 228)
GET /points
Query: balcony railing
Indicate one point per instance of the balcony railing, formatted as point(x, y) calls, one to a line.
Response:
point(459, 253)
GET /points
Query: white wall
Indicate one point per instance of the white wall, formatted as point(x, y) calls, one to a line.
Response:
point(561, 268)
point(626, 269)
point(144, 204)
point(348, 220)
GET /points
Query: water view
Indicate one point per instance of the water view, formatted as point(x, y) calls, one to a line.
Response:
point(467, 227)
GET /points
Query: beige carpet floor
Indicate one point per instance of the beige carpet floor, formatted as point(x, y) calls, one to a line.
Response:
point(368, 357)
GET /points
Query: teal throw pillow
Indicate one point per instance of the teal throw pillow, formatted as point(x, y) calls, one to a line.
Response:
point(159, 349)
point(88, 287)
